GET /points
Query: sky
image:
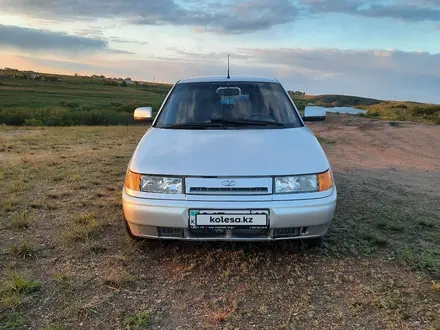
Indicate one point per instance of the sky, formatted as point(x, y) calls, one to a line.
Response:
point(387, 49)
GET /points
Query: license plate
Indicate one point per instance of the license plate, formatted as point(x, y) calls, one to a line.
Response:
point(228, 219)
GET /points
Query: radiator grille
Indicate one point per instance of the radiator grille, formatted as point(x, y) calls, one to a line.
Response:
point(228, 190)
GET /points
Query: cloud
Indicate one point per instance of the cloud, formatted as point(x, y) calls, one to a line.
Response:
point(336, 61)
point(327, 61)
point(378, 73)
point(408, 10)
point(220, 16)
point(44, 40)
point(127, 41)
point(232, 16)
point(385, 74)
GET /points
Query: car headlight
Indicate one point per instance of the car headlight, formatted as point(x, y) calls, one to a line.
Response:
point(304, 183)
point(153, 183)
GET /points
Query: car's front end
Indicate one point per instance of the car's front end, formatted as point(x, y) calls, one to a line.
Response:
point(229, 180)
point(249, 211)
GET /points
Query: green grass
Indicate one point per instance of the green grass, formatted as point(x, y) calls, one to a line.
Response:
point(137, 321)
point(64, 279)
point(20, 283)
point(21, 220)
point(87, 101)
point(84, 228)
point(11, 321)
point(22, 250)
point(386, 110)
point(388, 227)
point(420, 259)
point(9, 204)
point(55, 327)
point(78, 94)
point(14, 287)
point(404, 111)
point(325, 141)
point(391, 226)
point(74, 101)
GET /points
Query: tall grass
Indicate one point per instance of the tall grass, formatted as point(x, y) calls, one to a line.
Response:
point(64, 117)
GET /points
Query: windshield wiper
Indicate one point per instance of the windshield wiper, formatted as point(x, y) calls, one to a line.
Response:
point(248, 122)
point(192, 126)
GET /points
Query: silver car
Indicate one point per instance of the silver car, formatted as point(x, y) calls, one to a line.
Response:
point(228, 159)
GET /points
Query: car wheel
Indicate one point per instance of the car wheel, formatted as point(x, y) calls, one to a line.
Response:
point(315, 242)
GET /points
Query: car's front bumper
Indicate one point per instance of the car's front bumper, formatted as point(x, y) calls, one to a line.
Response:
point(305, 218)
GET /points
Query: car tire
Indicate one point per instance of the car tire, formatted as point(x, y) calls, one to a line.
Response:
point(315, 242)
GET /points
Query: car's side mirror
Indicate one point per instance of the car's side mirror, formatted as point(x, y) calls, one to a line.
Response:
point(143, 113)
point(313, 113)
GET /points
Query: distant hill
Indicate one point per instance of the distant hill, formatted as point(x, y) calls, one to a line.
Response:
point(332, 100)
point(389, 110)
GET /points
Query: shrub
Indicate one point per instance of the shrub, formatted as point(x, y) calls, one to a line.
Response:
point(15, 117)
point(86, 107)
point(115, 104)
point(33, 122)
point(69, 104)
point(128, 107)
point(111, 83)
point(372, 114)
point(65, 117)
point(418, 110)
point(400, 106)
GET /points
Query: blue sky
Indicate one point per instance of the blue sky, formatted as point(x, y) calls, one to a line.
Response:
point(384, 49)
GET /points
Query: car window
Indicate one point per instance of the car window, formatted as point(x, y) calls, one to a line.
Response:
point(202, 103)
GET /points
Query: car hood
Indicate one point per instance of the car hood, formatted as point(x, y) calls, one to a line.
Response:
point(230, 152)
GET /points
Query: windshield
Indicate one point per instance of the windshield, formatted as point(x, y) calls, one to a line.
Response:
point(228, 104)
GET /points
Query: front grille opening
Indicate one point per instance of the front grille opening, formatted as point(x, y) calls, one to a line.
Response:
point(235, 233)
point(258, 232)
point(286, 232)
point(230, 190)
point(207, 233)
point(170, 232)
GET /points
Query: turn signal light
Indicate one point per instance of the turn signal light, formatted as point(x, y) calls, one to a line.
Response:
point(133, 181)
point(325, 181)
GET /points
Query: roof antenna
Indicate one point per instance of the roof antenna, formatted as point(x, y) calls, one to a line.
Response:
point(229, 76)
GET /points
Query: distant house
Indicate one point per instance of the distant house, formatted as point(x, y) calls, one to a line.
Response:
point(128, 81)
point(34, 76)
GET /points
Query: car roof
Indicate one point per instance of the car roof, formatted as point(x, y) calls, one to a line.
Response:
point(225, 79)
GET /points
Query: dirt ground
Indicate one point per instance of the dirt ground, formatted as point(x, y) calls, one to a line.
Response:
point(67, 263)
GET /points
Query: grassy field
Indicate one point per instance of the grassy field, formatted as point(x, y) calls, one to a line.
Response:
point(88, 101)
point(73, 101)
point(67, 263)
point(387, 110)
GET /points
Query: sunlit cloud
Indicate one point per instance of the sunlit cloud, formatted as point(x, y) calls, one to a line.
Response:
point(386, 74)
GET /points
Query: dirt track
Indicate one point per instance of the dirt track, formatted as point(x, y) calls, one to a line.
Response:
point(376, 271)
point(377, 144)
